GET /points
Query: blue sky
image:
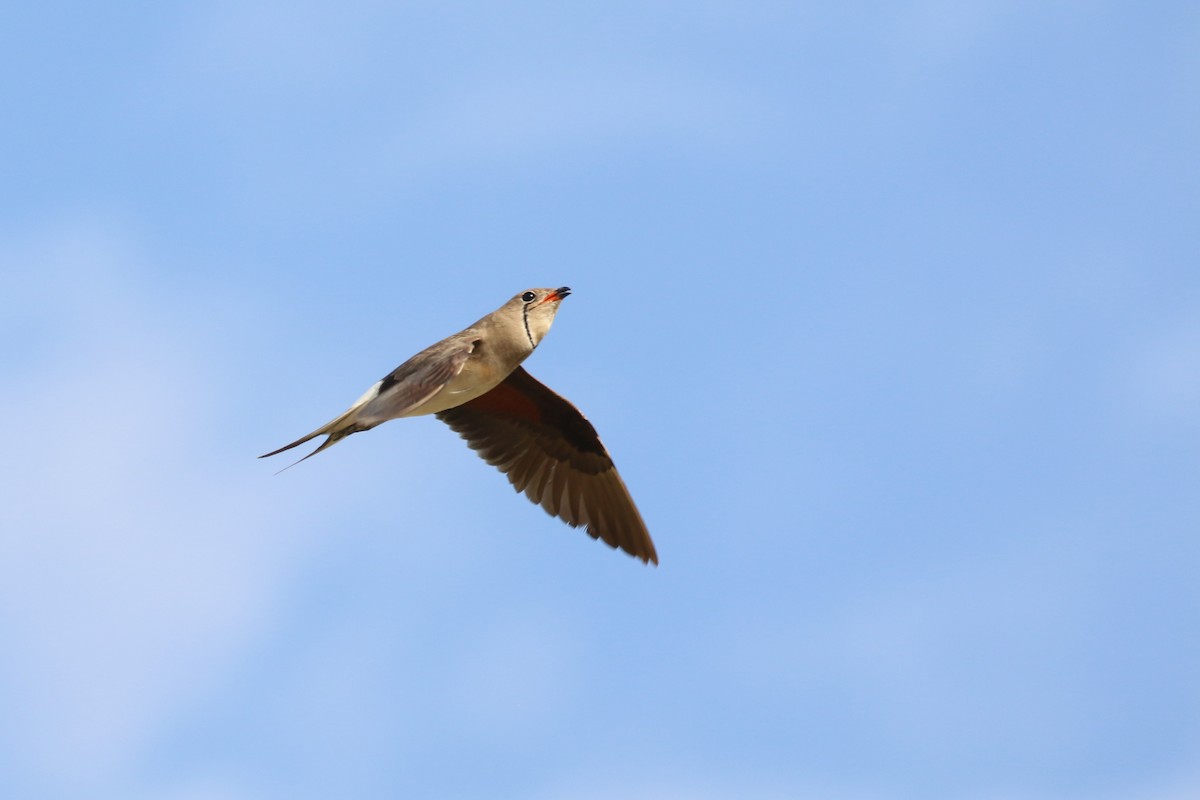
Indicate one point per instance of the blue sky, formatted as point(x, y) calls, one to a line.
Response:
point(889, 313)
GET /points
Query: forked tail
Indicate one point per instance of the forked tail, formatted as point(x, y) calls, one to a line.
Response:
point(336, 430)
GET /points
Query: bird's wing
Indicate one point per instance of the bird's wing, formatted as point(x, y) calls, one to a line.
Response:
point(551, 452)
point(406, 387)
point(417, 380)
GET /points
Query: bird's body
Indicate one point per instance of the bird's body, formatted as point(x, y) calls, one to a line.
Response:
point(473, 381)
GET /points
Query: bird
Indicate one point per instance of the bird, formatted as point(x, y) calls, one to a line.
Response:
point(474, 382)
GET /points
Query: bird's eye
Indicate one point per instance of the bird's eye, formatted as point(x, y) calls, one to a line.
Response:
point(528, 297)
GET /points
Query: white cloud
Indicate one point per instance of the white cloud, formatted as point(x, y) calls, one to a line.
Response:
point(273, 46)
point(697, 787)
point(517, 118)
point(131, 568)
point(1184, 785)
point(937, 31)
point(1163, 375)
point(203, 790)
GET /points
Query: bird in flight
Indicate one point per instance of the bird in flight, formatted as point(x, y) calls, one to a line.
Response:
point(474, 382)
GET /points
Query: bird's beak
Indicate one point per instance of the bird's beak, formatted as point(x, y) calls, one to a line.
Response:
point(558, 294)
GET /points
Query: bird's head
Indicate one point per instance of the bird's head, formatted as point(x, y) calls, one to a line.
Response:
point(537, 308)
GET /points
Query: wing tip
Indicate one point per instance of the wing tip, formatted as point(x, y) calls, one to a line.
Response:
point(647, 555)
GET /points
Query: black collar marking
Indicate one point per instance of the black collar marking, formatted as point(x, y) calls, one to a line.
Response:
point(525, 319)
